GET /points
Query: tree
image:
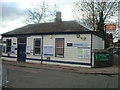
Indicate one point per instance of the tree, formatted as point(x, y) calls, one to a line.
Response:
point(94, 14)
point(41, 12)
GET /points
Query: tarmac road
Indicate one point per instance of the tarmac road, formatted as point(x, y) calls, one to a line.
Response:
point(24, 77)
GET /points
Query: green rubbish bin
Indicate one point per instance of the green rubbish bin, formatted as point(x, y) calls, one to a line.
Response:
point(102, 58)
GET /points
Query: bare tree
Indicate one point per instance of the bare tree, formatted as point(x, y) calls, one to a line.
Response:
point(94, 14)
point(40, 13)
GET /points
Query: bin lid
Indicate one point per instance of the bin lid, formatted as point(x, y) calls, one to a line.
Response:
point(100, 50)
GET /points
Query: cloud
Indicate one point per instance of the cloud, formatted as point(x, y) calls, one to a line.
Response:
point(11, 11)
point(11, 15)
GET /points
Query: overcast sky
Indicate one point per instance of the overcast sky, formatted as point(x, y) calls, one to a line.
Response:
point(12, 12)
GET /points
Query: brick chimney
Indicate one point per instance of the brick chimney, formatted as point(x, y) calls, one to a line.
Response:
point(58, 17)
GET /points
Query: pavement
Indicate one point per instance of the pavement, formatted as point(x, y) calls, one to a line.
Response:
point(113, 70)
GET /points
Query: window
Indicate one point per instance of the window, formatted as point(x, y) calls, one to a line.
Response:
point(59, 47)
point(37, 46)
point(8, 45)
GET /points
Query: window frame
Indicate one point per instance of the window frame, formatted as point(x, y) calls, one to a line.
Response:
point(35, 39)
point(8, 46)
point(61, 56)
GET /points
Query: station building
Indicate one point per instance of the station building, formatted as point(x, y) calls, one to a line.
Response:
point(59, 42)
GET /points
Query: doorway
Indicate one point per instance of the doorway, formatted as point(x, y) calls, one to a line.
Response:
point(21, 54)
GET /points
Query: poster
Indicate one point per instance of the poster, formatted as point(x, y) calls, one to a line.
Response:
point(84, 53)
point(28, 48)
point(4, 48)
point(49, 51)
point(13, 49)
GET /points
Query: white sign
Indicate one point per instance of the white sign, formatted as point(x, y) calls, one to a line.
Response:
point(49, 51)
point(28, 48)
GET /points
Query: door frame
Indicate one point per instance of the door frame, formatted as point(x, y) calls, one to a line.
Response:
point(21, 41)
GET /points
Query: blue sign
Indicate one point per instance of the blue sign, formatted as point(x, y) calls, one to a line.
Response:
point(80, 44)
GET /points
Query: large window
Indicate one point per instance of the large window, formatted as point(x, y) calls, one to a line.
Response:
point(37, 46)
point(59, 47)
point(8, 45)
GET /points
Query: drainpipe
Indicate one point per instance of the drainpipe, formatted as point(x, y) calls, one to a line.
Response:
point(42, 51)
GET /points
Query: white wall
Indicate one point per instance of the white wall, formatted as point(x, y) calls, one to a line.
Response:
point(70, 52)
point(97, 42)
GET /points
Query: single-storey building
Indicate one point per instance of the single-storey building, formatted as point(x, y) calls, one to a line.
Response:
point(60, 42)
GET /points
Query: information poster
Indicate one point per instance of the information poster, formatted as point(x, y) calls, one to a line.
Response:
point(49, 51)
point(28, 48)
point(84, 53)
point(4, 48)
point(13, 49)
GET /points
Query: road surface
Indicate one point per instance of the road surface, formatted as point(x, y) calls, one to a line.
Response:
point(23, 77)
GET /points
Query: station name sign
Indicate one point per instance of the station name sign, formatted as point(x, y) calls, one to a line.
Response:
point(77, 44)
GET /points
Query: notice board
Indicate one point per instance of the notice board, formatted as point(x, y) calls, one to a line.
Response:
point(49, 51)
point(84, 53)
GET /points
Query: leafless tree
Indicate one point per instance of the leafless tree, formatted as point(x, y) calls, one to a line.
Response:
point(40, 13)
point(95, 13)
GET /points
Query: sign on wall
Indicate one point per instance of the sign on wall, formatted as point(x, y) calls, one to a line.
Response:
point(13, 49)
point(80, 44)
point(77, 44)
point(84, 53)
point(49, 51)
point(28, 48)
point(4, 48)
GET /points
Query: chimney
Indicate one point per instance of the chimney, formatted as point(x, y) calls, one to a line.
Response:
point(58, 17)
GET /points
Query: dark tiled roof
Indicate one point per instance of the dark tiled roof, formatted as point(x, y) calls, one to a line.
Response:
point(65, 26)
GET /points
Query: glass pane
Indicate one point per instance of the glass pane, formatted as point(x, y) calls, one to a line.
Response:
point(22, 40)
point(59, 43)
point(8, 49)
point(9, 42)
point(59, 51)
point(37, 42)
point(37, 50)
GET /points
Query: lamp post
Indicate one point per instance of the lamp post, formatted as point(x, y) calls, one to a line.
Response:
point(105, 37)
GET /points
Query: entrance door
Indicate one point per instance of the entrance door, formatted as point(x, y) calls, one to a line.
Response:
point(21, 54)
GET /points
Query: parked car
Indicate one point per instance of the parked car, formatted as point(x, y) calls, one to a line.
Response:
point(115, 52)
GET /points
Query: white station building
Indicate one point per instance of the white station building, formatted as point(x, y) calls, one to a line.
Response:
point(60, 42)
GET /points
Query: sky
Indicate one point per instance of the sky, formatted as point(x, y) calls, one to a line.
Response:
point(13, 12)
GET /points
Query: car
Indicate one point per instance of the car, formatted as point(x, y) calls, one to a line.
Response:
point(115, 52)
